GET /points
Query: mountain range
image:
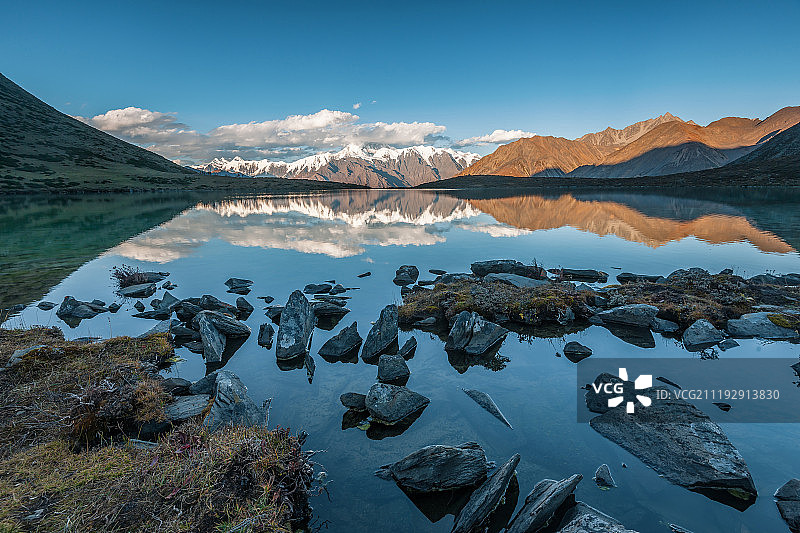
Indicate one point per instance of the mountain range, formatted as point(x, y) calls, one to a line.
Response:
point(656, 147)
point(371, 167)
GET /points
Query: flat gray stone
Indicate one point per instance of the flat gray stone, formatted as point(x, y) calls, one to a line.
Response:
point(485, 401)
point(227, 325)
point(408, 348)
point(186, 407)
point(542, 503)
point(485, 498)
point(659, 325)
point(354, 400)
point(759, 325)
point(346, 342)
point(143, 290)
point(507, 266)
point(17, 356)
point(393, 369)
point(636, 315)
point(701, 335)
point(585, 519)
point(438, 468)
point(317, 288)
point(516, 280)
point(265, 333)
point(390, 404)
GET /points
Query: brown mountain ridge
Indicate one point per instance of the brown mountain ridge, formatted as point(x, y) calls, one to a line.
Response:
point(656, 147)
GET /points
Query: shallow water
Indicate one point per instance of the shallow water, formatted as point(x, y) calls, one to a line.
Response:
point(283, 243)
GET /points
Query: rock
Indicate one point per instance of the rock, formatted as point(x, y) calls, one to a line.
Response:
point(727, 344)
point(45, 306)
point(311, 367)
point(232, 406)
point(296, 326)
point(274, 313)
point(578, 274)
point(114, 307)
point(204, 385)
point(681, 443)
point(438, 468)
point(265, 333)
point(408, 348)
point(238, 283)
point(72, 310)
point(212, 303)
point(228, 326)
point(659, 325)
point(542, 503)
point(437, 271)
point(317, 288)
point(474, 335)
point(507, 266)
point(787, 279)
point(788, 502)
point(142, 290)
point(168, 285)
point(603, 477)
point(354, 400)
point(426, 322)
point(244, 307)
point(701, 335)
point(183, 408)
point(165, 326)
point(194, 346)
point(760, 325)
point(213, 340)
point(187, 310)
point(723, 406)
point(168, 302)
point(154, 314)
point(176, 386)
point(182, 332)
point(17, 356)
point(390, 404)
point(485, 401)
point(669, 382)
point(382, 335)
point(393, 369)
point(406, 275)
point(328, 310)
point(575, 351)
point(582, 287)
point(582, 518)
point(636, 315)
point(337, 289)
point(516, 280)
point(485, 498)
point(335, 300)
point(344, 343)
point(627, 277)
point(452, 278)
point(364, 275)
point(266, 299)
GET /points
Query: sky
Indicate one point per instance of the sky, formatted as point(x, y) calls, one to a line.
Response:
point(282, 80)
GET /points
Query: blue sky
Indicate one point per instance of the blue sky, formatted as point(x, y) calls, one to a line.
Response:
point(560, 68)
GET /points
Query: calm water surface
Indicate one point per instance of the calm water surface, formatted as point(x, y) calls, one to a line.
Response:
point(283, 243)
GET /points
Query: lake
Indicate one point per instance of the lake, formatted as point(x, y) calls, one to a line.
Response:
point(54, 247)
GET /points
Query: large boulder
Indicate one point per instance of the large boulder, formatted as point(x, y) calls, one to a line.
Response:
point(382, 335)
point(406, 275)
point(701, 335)
point(438, 468)
point(634, 315)
point(542, 503)
point(474, 335)
point(760, 325)
point(516, 280)
point(682, 444)
point(507, 266)
point(343, 344)
point(486, 498)
point(390, 404)
point(295, 329)
point(232, 406)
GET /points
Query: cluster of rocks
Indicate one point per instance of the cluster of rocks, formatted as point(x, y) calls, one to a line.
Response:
point(550, 506)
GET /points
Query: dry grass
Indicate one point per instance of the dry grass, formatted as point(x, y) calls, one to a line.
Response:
point(495, 301)
point(65, 466)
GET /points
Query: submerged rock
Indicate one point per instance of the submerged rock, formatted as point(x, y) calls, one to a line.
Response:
point(382, 335)
point(701, 335)
point(760, 325)
point(265, 333)
point(390, 404)
point(486, 498)
point(603, 477)
point(679, 442)
point(393, 369)
point(485, 401)
point(575, 351)
point(474, 335)
point(406, 275)
point(438, 468)
point(296, 327)
point(344, 343)
point(542, 503)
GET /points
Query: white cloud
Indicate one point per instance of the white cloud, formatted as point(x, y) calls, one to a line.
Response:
point(356, 105)
point(290, 137)
point(496, 137)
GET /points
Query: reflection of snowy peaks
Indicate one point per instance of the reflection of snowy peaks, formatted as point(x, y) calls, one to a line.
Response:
point(374, 167)
point(418, 209)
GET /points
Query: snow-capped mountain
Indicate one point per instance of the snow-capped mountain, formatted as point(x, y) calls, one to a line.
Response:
point(373, 167)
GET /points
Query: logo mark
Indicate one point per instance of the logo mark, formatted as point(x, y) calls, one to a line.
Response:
point(645, 381)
